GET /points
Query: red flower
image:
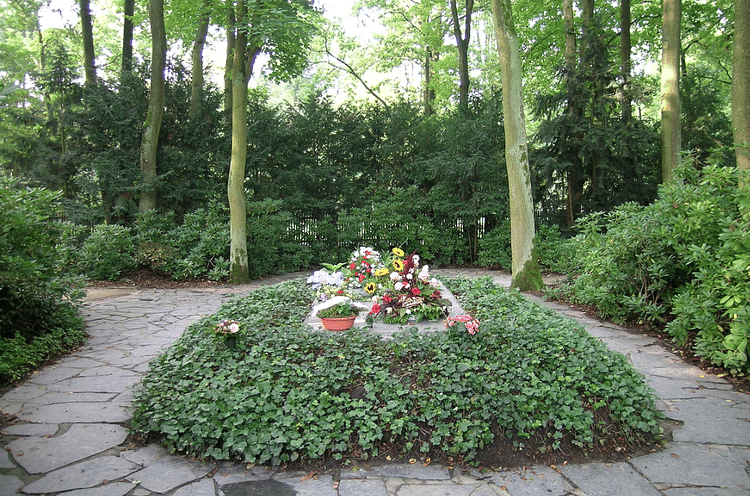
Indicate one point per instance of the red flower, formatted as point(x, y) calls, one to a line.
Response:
point(361, 277)
point(415, 291)
point(387, 298)
point(369, 270)
point(352, 266)
point(375, 309)
point(340, 291)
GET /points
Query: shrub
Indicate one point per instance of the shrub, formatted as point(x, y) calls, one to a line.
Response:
point(683, 257)
point(107, 252)
point(529, 376)
point(38, 300)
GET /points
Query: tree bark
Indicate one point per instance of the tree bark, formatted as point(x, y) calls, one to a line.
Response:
point(239, 270)
point(196, 92)
point(670, 89)
point(88, 42)
point(572, 176)
point(625, 62)
point(127, 36)
point(741, 90)
point(526, 272)
point(462, 42)
point(150, 141)
point(231, 43)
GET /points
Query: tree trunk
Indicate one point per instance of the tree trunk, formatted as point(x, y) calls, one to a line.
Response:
point(238, 271)
point(526, 272)
point(231, 43)
point(741, 89)
point(150, 141)
point(625, 62)
point(127, 36)
point(572, 176)
point(196, 93)
point(89, 63)
point(462, 42)
point(670, 89)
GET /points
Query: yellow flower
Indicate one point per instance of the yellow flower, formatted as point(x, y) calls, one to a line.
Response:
point(398, 265)
point(398, 252)
point(370, 287)
point(381, 272)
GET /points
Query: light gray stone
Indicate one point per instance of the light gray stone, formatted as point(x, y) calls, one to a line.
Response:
point(10, 484)
point(409, 471)
point(111, 489)
point(696, 465)
point(89, 473)
point(52, 397)
point(145, 456)
point(616, 479)
point(105, 370)
point(362, 487)
point(729, 426)
point(705, 491)
point(75, 413)
point(230, 473)
point(320, 486)
point(95, 384)
point(534, 481)
point(21, 394)
point(53, 374)
point(5, 460)
point(39, 455)
point(171, 472)
point(204, 487)
point(31, 430)
point(436, 490)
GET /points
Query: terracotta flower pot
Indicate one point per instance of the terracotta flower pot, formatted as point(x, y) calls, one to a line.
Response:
point(338, 323)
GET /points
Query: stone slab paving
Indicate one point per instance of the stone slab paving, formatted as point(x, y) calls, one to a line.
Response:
point(69, 433)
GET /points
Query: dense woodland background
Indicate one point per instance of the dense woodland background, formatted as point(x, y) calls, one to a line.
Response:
point(391, 139)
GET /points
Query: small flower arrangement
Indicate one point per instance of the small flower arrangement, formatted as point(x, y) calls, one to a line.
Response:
point(411, 294)
point(337, 307)
point(227, 327)
point(467, 321)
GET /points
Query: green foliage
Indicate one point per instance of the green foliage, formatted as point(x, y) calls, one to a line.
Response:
point(107, 252)
point(684, 257)
point(494, 248)
point(38, 301)
point(288, 393)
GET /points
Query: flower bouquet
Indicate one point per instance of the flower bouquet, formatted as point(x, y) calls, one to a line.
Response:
point(467, 322)
point(229, 329)
point(338, 313)
point(411, 295)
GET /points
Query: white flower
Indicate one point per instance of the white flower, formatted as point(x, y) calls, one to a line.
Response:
point(234, 327)
point(330, 303)
point(409, 276)
point(398, 286)
point(395, 276)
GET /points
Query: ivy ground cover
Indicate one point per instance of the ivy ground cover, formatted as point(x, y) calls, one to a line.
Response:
point(530, 382)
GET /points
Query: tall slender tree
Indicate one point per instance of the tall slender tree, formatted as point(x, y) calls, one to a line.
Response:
point(197, 58)
point(625, 61)
point(670, 88)
point(88, 41)
point(238, 272)
point(283, 30)
point(741, 89)
point(526, 272)
point(150, 140)
point(127, 35)
point(462, 43)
